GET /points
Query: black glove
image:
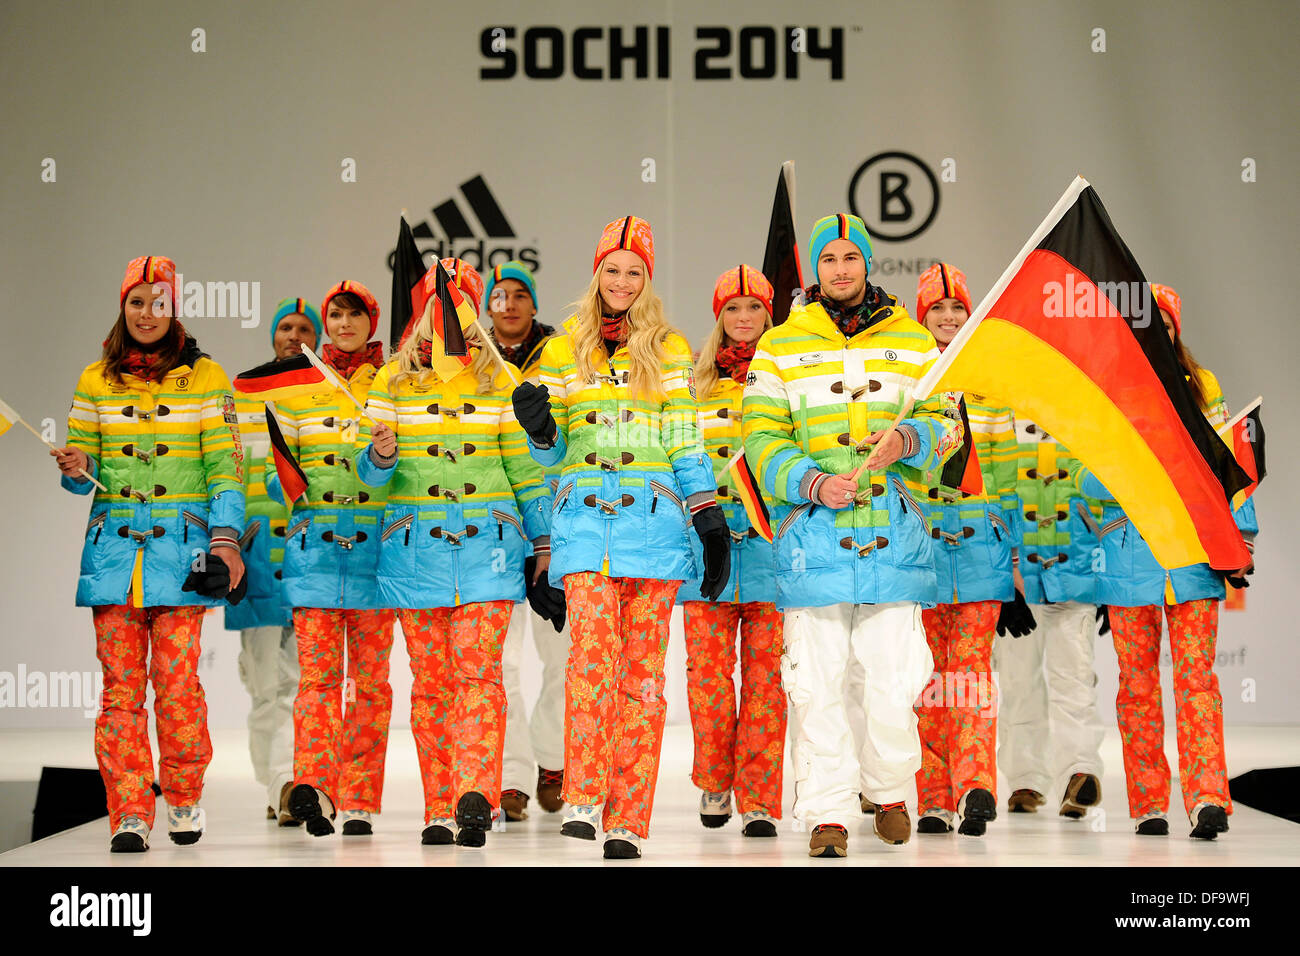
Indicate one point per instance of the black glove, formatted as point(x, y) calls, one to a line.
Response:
point(1236, 581)
point(1016, 618)
point(547, 601)
point(1103, 615)
point(711, 525)
point(237, 593)
point(213, 581)
point(532, 405)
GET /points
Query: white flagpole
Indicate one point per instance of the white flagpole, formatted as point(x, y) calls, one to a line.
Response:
point(1225, 429)
point(926, 386)
point(9, 413)
point(331, 376)
point(496, 352)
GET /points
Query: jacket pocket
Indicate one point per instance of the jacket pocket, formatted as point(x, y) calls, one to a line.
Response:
point(909, 503)
point(659, 488)
point(96, 525)
point(1000, 529)
point(299, 525)
point(396, 526)
point(249, 534)
point(189, 518)
point(790, 519)
point(562, 496)
point(504, 518)
point(1114, 525)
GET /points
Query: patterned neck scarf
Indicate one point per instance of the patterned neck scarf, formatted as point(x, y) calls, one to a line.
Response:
point(613, 329)
point(733, 360)
point(425, 352)
point(516, 355)
point(851, 319)
point(346, 363)
point(143, 362)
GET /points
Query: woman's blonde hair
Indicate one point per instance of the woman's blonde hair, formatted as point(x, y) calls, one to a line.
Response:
point(407, 356)
point(706, 365)
point(646, 330)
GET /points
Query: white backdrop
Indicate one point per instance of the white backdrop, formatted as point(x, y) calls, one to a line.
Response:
point(233, 161)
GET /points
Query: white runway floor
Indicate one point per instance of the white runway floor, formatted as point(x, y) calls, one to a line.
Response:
point(237, 834)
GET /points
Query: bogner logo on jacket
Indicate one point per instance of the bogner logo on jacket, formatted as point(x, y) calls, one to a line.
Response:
point(813, 397)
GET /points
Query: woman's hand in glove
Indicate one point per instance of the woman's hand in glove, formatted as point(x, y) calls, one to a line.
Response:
point(532, 404)
point(1016, 618)
point(1103, 616)
point(711, 525)
point(547, 601)
point(211, 579)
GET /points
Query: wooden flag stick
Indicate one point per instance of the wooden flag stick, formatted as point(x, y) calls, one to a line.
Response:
point(496, 352)
point(331, 376)
point(81, 471)
point(902, 413)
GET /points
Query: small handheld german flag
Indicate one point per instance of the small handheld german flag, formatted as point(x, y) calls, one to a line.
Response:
point(1245, 436)
point(962, 470)
point(278, 380)
point(746, 489)
point(293, 481)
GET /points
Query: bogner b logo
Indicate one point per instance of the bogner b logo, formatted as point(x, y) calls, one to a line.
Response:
point(458, 232)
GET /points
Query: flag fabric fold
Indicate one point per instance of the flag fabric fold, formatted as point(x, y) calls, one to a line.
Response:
point(450, 353)
point(408, 273)
point(281, 379)
point(1070, 337)
point(745, 487)
point(962, 470)
point(1245, 436)
point(781, 254)
point(7, 417)
point(293, 480)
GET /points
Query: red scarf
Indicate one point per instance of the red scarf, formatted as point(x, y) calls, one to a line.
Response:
point(346, 363)
point(613, 328)
point(734, 360)
point(140, 359)
point(425, 352)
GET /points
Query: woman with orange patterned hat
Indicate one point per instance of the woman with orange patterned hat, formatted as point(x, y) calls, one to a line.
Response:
point(153, 424)
point(467, 506)
point(330, 553)
point(617, 406)
point(740, 751)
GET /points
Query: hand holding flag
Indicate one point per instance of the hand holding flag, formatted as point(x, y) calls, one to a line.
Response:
point(64, 456)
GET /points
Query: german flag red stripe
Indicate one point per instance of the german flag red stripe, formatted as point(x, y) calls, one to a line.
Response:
point(293, 481)
point(281, 379)
point(1067, 338)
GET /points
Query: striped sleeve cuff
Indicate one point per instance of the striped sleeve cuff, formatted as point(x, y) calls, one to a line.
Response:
point(541, 545)
point(910, 441)
point(223, 538)
point(811, 483)
point(700, 500)
point(382, 461)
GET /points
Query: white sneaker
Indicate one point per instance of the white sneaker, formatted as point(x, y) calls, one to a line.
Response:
point(758, 823)
point(185, 824)
point(440, 831)
point(131, 836)
point(356, 823)
point(582, 821)
point(622, 844)
point(715, 808)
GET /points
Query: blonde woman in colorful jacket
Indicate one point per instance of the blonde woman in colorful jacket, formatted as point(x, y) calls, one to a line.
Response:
point(617, 406)
point(735, 751)
point(268, 651)
point(154, 422)
point(330, 552)
point(1135, 589)
point(465, 499)
point(534, 743)
point(972, 531)
point(854, 556)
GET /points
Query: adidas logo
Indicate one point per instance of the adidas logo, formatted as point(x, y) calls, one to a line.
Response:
point(456, 230)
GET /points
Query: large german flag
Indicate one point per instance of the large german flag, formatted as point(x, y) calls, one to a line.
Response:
point(1070, 337)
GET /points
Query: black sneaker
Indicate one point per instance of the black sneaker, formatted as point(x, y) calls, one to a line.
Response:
point(473, 819)
point(933, 824)
point(976, 809)
point(304, 804)
point(1153, 826)
point(1210, 822)
point(437, 834)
